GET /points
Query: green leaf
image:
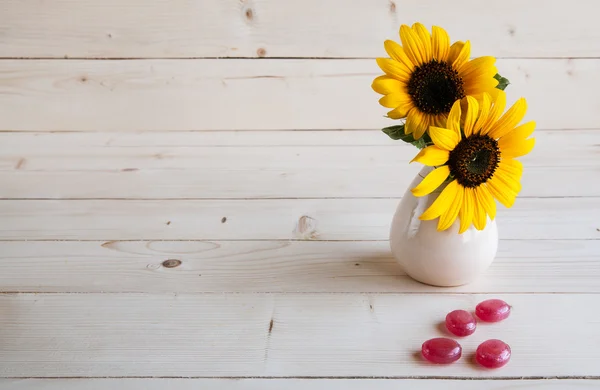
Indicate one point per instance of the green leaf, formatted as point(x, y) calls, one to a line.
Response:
point(397, 133)
point(502, 81)
point(420, 143)
point(423, 142)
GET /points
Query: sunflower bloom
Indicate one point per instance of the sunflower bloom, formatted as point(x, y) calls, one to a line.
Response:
point(425, 76)
point(475, 154)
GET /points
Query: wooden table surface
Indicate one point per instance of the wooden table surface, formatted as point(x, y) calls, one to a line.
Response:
point(195, 194)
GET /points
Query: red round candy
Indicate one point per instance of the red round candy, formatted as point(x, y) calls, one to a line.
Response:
point(492, 310)
point(441, 350)
point(460, 323)
point(493, 353)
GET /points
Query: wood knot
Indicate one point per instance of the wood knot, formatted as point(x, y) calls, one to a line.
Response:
point(83, 79)
point(392, 7)
point(306, 228)
point(20, 163)
point(261, 52)
point(249, 14)
point(171, 263)
point(224, 219)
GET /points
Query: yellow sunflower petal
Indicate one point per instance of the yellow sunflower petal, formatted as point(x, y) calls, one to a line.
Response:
point(480, 66)
point(440, 43)
point(400, 112)
point(463, 56)
point(494, 92)
point(515, 149)
point(444, 138)
point(397, 52)
point(427, 121)
point(411, 44)
point(519, 133)
point(425, 38)
point(479, 216)
point(508, 179)
point(386, 85)
point(432, 181)
point(442, 203)
point(467, 210)
point(500, 191)
point(448, 218)
point(432, 156)
point(439, 120)
point(485, 199)
point(417, 123)
point(454, 51)
point(396, 99)
point(509, 120)
point(497, 109)
point(484, 111)
point(482, 85)
point(471, 116)
point(513, 167)
point(453, 122)
point(394, 69)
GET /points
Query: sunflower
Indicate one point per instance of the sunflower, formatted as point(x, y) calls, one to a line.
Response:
point(425, 76)
point(478, 163)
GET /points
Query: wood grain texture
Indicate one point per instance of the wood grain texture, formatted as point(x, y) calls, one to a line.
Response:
point(293, 384)
point(283, 219)
point(521, 266)
point(162, 226)
point(358, 335)
point(47, 142)
point(269, 28)
point(200, 165)
point(257, 95)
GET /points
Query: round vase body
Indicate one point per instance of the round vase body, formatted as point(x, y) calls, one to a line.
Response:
point(439, 258)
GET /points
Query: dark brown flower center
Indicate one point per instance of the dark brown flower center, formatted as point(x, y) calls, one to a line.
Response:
point(474, 160)
point(434, 87)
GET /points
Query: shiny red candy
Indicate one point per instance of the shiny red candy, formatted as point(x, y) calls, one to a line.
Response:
point(460, 323)
point(441, 350)
point(493, 353)
point(492, 310)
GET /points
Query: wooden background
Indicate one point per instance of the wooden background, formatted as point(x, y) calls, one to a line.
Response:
point(195, 194)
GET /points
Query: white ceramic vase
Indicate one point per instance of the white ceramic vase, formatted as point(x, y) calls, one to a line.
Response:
point(437, 258)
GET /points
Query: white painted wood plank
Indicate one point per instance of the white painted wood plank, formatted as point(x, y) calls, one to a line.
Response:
point(174, 140)
point(198, 183)
point(178, 165)
point(216, 28)
point(312, 219)
point(256, 95)
point(66, 151)
point(294, 384)
point(566, 266)
point(177, 139)
point(57, 335)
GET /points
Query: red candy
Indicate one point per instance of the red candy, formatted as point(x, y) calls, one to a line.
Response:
point(492, 310)
point(441, 350)
point(493, 353)
point(460, 323)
